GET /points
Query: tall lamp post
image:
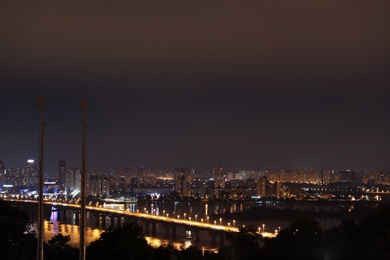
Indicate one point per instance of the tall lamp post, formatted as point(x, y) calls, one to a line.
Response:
point(83, 105)
point(41, 103)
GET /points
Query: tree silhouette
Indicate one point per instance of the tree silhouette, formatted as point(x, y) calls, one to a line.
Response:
point(125, 242)
point(301, 240)
point(17, 240)
point(58, 248)
point(242, 245)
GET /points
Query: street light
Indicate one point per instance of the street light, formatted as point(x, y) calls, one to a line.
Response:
point(215, 222)
point(228, 224)
point(234, 223)
point(189, 218)
point(201, 220)
point(220, 221)
point(208, 219)
point(41, 102)
point(184, 216)
point(178, 216)
point(167, 215)
point(196, 217)
point(263, 228)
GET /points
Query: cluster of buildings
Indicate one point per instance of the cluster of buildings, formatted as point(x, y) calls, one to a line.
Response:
point(185, 182)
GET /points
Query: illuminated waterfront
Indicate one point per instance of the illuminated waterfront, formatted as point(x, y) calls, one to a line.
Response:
point(52, 228)
point(64, 222)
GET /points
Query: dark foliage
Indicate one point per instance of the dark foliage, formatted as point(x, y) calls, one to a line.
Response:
point(243, 245)
point(126, 242)
point(58, 248)
point(301, 240)
point(17, 241)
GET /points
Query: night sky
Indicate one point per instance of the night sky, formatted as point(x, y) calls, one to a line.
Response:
point(244, 84)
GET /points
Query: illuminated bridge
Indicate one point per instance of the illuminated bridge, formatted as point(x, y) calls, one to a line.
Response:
point(192, 227)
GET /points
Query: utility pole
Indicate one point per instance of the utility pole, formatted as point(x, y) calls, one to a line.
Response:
point(41, 103)
point(83, 105)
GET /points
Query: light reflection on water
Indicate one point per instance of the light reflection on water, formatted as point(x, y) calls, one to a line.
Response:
point(67, 227)
point(53, 227)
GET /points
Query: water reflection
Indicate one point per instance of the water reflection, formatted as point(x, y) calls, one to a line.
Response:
point(52, 228)
point(65, 223)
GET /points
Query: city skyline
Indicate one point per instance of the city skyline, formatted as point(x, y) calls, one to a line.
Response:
point(254, 85)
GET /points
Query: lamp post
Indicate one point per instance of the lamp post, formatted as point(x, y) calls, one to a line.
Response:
point(220, 221)
point(263, 228)
point(234, 223)
point(41, 103)
point(83, 105)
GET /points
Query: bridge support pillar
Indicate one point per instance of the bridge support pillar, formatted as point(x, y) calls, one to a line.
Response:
point(154, 228)
point(166, 229)
point(174, 234)
point(76, 217)
point(64, 216)
point(196, 235)
point(213, 239)
point(221, 239)
point(119, 221)
point(104, 220)
point(112, 221)
point(146, 227)
point(97, 218)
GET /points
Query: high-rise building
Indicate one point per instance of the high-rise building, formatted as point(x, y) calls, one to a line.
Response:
point(61, 172)
point(182, 180)
point(219, 177)
point(219, 180)
point(30, 174)
point(72, 179)
point(2, 166)
point(262, 187)
point(145, 178)
point(99, 185)
point(2, 173)
point(127, 175)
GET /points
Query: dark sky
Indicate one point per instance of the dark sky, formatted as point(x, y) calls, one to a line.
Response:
point(243, 84)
